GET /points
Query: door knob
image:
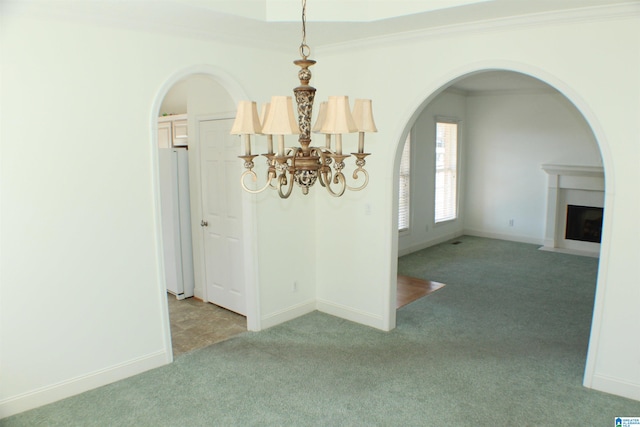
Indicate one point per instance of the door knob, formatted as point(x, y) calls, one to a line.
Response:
point(204, 223)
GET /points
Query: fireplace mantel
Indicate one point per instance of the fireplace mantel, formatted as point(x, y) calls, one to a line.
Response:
point(571, 184)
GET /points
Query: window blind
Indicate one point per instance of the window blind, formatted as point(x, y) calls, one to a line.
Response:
point(405, 177)
point(446, 179)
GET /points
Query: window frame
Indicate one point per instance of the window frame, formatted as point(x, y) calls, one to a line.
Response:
point(451, 121)
point(410, 141)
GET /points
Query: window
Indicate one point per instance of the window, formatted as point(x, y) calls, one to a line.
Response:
point(446, 194)
point(405, 172)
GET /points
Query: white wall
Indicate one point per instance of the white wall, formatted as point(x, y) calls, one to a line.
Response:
point(510, 135)
point(423, 231)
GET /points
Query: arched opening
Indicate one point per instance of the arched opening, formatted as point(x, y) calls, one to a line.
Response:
point(203, 240)
point(514, 128)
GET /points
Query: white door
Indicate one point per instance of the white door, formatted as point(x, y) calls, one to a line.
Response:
point(222, 223)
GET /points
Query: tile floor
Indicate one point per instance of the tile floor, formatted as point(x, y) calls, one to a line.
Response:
point(196, 324)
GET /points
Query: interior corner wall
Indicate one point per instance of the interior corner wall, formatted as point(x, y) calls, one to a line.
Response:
point(510, 136)
point(423, 231)
point(351, 234)
point(287, 272)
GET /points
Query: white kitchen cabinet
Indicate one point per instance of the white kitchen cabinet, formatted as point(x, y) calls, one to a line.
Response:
point(173, 131)
point(164, 134)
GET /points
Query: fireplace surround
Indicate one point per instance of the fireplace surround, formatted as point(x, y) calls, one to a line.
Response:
point(574, 192)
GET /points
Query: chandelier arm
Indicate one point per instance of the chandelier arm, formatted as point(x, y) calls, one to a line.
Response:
point(360, 163)
point(355, 176)
point(283, 179)
point(322, 177)
point(270, 176)
point(271, 169)
point(339, 177)
point(325, 161)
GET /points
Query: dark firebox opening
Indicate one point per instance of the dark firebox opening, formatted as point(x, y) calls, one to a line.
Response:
point(584, 223)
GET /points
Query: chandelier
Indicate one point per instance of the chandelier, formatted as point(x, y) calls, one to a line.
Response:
point(304, 165)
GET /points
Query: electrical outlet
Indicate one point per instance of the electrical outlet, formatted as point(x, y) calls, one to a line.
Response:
point(294, 287)
point(511, 223)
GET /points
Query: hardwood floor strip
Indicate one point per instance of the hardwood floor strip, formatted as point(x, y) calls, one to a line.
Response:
point(412, 288)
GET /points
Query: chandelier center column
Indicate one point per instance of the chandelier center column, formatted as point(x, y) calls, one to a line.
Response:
point(305, 95)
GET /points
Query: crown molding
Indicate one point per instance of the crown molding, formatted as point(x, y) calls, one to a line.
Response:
point(501, 92)
point(201, 23)
point(583, 15)
point(504, 92)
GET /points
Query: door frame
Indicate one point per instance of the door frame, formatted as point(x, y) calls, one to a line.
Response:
point(249, 216)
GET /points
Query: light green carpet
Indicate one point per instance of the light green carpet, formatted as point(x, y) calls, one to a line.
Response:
point(503, 344)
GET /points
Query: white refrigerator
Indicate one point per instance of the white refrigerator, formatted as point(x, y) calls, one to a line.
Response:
point(176, 221)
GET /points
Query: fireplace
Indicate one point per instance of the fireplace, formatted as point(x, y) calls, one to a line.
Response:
point(584, 223)
point(575, 202)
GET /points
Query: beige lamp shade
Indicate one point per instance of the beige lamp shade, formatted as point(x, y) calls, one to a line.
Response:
point(338, 118)
point(322, 114)
point(363, 116)
point(263, 113)
point(247, 121)
point(279, 119)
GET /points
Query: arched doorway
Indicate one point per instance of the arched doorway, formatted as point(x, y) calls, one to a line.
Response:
point(487, 160)
point(208, 97)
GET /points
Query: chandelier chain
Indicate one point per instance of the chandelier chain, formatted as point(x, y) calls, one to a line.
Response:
point(305, 50)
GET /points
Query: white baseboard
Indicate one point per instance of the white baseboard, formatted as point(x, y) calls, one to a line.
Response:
point(351, 314)
point(502, 236)
point(427, 244)
point(570, 251)
point(616, 386)
point(323, 306)
point(287, 314)
point(52, 393)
